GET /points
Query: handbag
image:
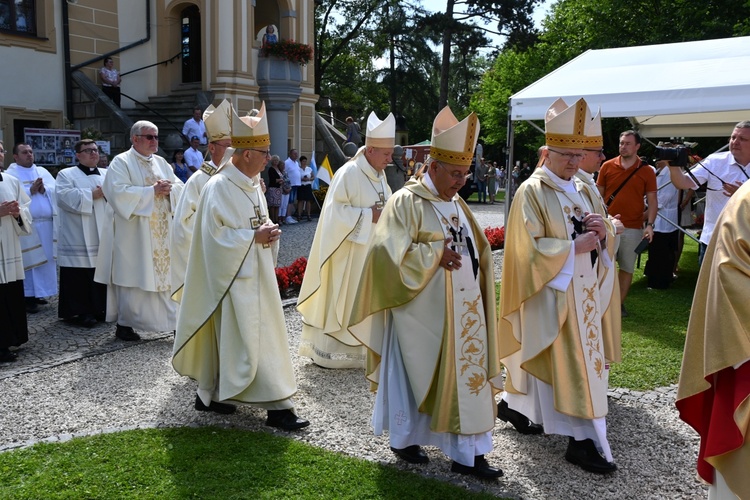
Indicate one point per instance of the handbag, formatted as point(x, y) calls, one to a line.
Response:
point(286, 187)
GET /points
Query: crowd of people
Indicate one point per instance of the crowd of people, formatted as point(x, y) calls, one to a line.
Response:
point(400, 284)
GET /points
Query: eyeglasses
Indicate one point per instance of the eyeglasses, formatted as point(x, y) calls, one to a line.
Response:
point(568, 156)
point(149, 137)
point(597, 151)
point(266, 152)
point(456, 176)
point(89, 151)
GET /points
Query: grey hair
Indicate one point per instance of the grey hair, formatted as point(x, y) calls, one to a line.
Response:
point(275, 157)
point(140, 125)
point(743, 124)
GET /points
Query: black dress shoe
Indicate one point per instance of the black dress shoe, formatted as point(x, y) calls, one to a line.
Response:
point(518, 419)
point(215, 406)
point(31, 306)
point(481, 469)
point(412, 454)
point(7, 356)
point(285, 420)
point(43, 302)
point(88, 321)
point(126, 333)
point(585, 455)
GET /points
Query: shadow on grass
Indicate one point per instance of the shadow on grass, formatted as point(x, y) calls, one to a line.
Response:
point(205, 462)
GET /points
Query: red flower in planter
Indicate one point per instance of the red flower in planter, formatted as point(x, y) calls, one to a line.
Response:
point(496, 237)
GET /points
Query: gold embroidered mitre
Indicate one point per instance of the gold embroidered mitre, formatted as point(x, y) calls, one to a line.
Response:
point(250, 131)
point(572, 126)
point(218, 121)
point(453, 141)
point(380, 133)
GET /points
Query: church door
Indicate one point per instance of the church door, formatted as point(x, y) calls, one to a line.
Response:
point(191, 45)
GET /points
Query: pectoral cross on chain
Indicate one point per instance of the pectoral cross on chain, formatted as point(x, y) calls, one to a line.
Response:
point(458, 244)
point(380, 204)
point(258, 220)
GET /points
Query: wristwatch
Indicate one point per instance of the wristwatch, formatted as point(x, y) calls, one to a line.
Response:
point(650, 224)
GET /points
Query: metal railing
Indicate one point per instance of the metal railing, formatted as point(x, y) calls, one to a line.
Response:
point(164, 62)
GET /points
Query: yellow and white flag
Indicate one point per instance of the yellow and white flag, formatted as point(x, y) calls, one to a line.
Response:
point(325, 173)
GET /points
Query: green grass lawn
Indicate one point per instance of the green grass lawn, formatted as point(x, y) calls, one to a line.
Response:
point(230, 463)
point(653, 335)
point(203, 463)
point(500, 196)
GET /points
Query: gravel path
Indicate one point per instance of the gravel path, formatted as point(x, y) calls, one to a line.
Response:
point(69, 383)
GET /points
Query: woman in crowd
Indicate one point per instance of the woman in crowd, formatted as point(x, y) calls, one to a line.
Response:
point(273, 193)
point(305, 196)
point(179, 166)
point(110, 80)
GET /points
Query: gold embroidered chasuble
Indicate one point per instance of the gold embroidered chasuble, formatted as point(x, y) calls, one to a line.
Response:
point(231, 325)
point(450, 357)
point(337, 257)
point(609, 285)
point(134, 249)
point(713, 394)
point(544, 332)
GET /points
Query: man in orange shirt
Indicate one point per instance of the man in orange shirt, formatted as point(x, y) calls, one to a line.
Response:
point(623, 183)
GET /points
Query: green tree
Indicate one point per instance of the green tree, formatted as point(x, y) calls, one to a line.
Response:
point(510, 17)
point(574, 26)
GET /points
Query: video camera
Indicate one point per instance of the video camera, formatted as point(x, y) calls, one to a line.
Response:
point(676, 153)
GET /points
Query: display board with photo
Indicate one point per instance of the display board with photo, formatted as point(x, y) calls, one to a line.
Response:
point(52, 147)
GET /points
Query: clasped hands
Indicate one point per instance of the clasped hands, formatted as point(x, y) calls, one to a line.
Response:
point(267, 233)
point(37, 186)
point(595, 231)
point(10, 208)
point(162, 187)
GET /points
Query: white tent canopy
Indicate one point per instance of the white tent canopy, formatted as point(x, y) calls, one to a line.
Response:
point(688, 89)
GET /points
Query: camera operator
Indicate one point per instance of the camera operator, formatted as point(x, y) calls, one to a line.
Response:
point(723, 172)
point(623, 183)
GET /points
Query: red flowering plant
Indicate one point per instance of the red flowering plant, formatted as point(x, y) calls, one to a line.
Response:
point(290, 278)
point(289, 50)
point(496, 237)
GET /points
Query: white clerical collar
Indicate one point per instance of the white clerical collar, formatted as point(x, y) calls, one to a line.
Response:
point(146, 158)
point(568, 186)
point(589, 178)
point(427, 180)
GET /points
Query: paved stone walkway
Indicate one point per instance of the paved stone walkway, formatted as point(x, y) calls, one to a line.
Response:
point(53, 342)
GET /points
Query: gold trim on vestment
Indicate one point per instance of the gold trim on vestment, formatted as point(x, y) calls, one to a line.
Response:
point(208, 169)
point(573, 141)
point(251, 141)
point(379, 142)
point(452, 157)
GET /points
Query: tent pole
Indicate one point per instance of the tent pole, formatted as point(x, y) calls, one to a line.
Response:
point(508, 169)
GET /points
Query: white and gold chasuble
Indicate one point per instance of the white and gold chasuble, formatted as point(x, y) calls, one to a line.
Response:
point(585, 286)
point(159, 224)
point(337, 256)
point(231, 335)
point(430, 332)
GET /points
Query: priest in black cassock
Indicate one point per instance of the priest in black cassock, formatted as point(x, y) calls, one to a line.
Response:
point(81, 206)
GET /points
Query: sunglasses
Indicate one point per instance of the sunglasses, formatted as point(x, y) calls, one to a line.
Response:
point(149, 137)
